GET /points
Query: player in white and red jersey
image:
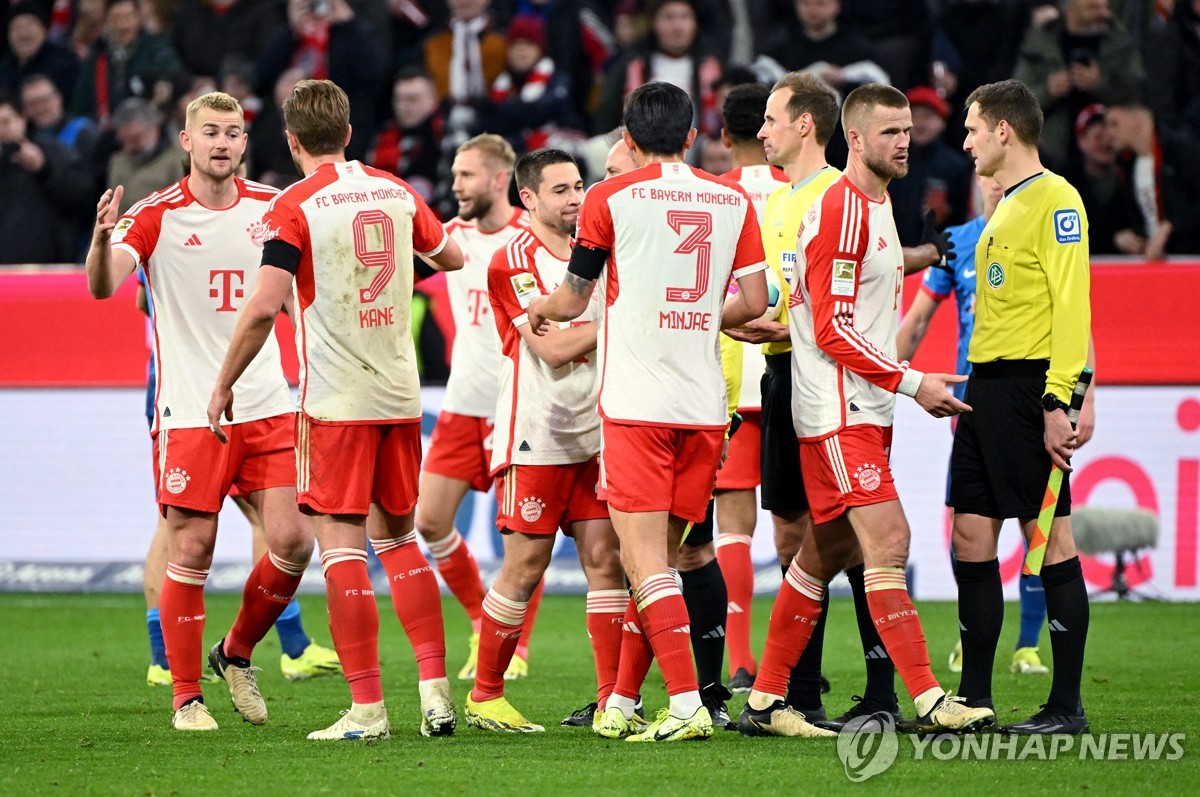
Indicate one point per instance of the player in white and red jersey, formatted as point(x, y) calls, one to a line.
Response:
point(460, 451)
point(850, 269)
point(194, 241)
point(347, 233)
point(736, 503)
point(662, 241)
point(546, 457)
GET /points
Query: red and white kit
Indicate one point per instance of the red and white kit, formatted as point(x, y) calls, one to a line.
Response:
point(200, 267)
point(845, 376)
point(547, 428)
point(462, 439)
point(355, 229)
point(674, 236)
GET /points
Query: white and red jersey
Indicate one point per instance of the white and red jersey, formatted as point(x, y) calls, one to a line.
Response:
point(544, 415)
point(850, 269)
point(355, 228)
point(475, 358)
point(200, 267)
point(674, 235)
point(759, 182)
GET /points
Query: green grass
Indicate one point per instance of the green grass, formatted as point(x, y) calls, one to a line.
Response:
point(77, 718)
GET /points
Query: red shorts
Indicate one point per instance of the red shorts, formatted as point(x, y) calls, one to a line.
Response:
point(343, 468)
point(847, 469)
point(541, 499)
point(194, 470)
point(741, 470)
point(659, 469)
point(461, 448)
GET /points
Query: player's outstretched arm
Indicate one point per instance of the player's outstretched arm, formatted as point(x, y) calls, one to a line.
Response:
point(557, 347)
point(750, 301)
point(566, 303)
point(106, 269)
point(934, 396)
point(255, 322)
point(759, 331)
point(450, 258)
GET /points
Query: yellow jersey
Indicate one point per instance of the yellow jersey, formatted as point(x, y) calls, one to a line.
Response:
point(1032, 282)
point(781, 220)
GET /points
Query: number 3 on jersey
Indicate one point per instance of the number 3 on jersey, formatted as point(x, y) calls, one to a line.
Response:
point(701, 224)
point(375, 247)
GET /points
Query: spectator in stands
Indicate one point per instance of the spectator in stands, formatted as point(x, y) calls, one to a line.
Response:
point(147, 161)
point(1097, 179)
point(409, 144)
point(327, 40)
point(939, 178)
point(956, 67)
point(124, 62)
point(206, 32)
point(411, 22)
point(531, 98)
point(46, 114)
point(1084, 57)
point(30, 53)
point(1173, 61)
point(813, 40)
point(467, 57)
point(87, 27)
point(44, 191)
point(898, 36)
point(1161, 183)
point(271, 161)
point(673, 53)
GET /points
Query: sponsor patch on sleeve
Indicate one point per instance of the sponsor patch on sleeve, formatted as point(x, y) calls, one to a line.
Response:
point(843, 278)
point(525, 286)
point(1067, 227)
point(119, 231)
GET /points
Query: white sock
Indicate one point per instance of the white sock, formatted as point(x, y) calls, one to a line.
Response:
point(927, 700)
point(626, 704)
point(366, 713)
point(760, 700)
point(685, 704)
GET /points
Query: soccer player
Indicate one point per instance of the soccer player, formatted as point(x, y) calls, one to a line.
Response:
point(850, 272)
point(661, 242)
point(801, 115)
point(736, 510)
point(1030, 343)
point(346, 233)
point(936, 286)
point(459, 457)
point(546, 459)
point(192, 239)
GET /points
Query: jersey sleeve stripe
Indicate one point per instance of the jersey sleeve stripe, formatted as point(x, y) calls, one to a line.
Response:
point(165, 196)
point(843, 324)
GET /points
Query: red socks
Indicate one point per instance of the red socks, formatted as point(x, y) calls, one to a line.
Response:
point(665, 623)
point(636, 654)
point(733, 555)
point(461, 574)
point(535, 600)
point(353, 620)
point(181, 613)
point(269, 588)
point(417, 601)
point(797, 608)
point(605, 610)
point(899, 627)
point(498, 638)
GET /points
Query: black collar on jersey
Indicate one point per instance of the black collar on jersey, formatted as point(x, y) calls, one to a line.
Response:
point(1026, 180)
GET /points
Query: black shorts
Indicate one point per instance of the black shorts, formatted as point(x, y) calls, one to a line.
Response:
point(999, 465)
point(782, 484)
point(702, 532)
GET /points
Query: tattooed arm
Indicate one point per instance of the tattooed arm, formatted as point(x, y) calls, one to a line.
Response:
point(570, 299)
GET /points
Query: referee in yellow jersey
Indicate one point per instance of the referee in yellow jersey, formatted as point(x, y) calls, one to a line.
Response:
point(1032, 321)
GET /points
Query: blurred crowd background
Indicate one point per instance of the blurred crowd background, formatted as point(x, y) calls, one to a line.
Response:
point(92, 92)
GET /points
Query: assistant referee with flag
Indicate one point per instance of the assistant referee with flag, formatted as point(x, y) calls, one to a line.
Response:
point(1032, 322)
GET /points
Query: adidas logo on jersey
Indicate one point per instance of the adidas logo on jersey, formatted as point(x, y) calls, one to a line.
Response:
point(882, 244)
point(194, 240)
point(524, 446)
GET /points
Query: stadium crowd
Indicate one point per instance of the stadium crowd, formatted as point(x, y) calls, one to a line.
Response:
point(92, 92)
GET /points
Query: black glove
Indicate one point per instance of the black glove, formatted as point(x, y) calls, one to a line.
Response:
point(940, 240)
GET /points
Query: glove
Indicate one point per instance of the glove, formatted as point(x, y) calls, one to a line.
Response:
point(940, 240)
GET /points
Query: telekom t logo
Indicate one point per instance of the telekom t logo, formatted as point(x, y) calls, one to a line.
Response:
point(477, 305)
point(226, 286)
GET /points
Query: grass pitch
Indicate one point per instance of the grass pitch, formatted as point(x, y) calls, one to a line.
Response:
point(76, 716)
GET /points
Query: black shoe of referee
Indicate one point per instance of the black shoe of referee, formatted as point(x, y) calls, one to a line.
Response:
point(713, 697)
point(865, 707)
point(1051, 721)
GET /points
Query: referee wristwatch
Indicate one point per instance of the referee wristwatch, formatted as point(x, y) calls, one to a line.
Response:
point(1051, 402)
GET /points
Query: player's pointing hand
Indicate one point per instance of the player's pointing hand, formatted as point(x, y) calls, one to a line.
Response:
point(221, 403)
point(935, 397)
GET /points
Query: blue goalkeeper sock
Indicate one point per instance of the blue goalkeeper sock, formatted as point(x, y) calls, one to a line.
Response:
point(1033, 611)
point(158, 648)
point(292, 638)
